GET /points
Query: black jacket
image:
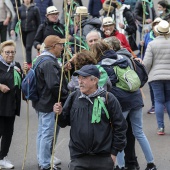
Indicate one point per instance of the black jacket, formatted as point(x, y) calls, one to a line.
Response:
point(46, 29)
point(10, 102)
point(138, 12)
point(88, 138)
point(30, 18)
point(48, 76)
point(130, 28)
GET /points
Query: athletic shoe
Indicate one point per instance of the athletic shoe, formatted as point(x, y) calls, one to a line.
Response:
point(131, 167)
point(151, 110)
point(117, 168)
point(54, 168)
point(6, 164)
point(151, 166)
point(161, 131)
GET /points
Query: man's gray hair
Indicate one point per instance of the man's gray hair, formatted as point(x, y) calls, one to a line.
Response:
point(94, 31)
point(93, 77)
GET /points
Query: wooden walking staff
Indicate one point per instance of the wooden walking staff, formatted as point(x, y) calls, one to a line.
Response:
point(24, 57)
point(109, 8)
point(56, 120)
point(80, 29)
point(144, 19)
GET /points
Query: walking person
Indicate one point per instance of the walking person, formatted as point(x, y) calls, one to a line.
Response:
point(131, 102)
point(48, 76)
point(10, 98)
point(7, 14)
point(30, 20)
point(156, 61)
point(95, 136)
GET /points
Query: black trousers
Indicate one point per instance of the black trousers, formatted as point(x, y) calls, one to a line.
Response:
point(130, 155)
point(3, 32)
point(92, 162)
point(6, 133)
point(28, 39)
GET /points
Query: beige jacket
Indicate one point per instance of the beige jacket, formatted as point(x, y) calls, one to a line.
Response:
point(157, 59)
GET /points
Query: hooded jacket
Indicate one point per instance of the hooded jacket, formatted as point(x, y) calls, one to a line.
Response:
point(88, 138)
point(128, 100)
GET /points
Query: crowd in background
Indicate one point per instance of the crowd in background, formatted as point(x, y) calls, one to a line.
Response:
point(102, 35)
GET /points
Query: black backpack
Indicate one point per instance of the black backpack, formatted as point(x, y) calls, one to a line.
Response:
point(141, 71)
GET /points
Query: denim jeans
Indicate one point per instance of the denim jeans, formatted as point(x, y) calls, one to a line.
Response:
point(137, 128)
point(161, 90)
point(46, 126)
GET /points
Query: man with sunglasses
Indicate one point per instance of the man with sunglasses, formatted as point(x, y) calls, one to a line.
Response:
point(51, 26)
point(48, 74)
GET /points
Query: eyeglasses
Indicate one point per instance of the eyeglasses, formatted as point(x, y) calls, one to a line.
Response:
point(8, 52)
point(61, 45)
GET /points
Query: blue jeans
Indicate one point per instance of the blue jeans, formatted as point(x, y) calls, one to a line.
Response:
point(46, 125)
point(136, 120)
point(161, 90)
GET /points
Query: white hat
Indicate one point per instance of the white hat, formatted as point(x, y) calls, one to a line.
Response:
point(108, 21)
point(81, 10)
point(163, 27)
point(51, 10)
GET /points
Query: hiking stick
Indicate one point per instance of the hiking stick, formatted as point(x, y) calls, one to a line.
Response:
point(109, 8)
point(75, 41)
point(144, 18)
point(24, 57)
point(80, 30)
point(56, 120)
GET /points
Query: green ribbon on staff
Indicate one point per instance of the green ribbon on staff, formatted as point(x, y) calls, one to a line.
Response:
point(58, 29)
point(149, 2)
point(17, 26)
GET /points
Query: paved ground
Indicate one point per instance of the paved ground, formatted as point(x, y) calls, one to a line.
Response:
point(159, 144)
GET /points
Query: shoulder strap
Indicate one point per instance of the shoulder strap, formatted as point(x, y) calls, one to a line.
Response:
point(41, 61)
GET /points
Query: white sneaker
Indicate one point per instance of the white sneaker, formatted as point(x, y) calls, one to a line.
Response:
point(56, 161)
point(6, 164)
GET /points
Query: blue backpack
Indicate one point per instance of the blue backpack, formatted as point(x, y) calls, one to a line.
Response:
point(29, 86)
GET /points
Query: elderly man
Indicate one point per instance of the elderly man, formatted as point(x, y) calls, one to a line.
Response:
point(48, 75)
point(92, 37)
point(98, 128)
point(51, 26)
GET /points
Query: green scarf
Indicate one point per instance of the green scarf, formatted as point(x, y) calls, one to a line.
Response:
point(17, 78)
point(97, 109)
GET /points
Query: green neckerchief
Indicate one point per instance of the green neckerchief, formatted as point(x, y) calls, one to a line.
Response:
point(97, 109)
point(151, 34)
point(58, 29)
point(17, 78)
point(17, 26)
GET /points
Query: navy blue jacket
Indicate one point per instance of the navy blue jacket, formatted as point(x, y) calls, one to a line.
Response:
point(127, 100)
point(94, 7)
point(42, 5)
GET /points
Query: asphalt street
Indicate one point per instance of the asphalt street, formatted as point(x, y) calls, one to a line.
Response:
point(159, 144)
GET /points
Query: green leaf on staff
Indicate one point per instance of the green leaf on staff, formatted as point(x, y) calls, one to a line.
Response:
point(17, 26)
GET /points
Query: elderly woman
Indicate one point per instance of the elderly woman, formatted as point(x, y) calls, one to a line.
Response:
point(10, 98)
point(157, 64)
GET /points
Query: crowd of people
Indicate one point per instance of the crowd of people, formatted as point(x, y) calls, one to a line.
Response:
point(79, 50)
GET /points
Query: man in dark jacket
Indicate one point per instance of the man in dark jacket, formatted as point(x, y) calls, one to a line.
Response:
point(48, 76)
point(98, 128)
point(147, 18)
point(51, 26)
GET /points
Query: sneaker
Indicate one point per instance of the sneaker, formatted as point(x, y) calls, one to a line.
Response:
point(151, 166)
point(6, 164)
point(151, 110)
point(54, 168)
point(131, 167)
point(117, 168)
point(160, 131)
point(56, 161)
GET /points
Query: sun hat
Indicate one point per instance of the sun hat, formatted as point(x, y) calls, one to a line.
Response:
point(157, 20)
point(52, 40)
point(88, 70)
point(81, 10)
point(108, 21)
point(51, 10)
point(163, 27)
